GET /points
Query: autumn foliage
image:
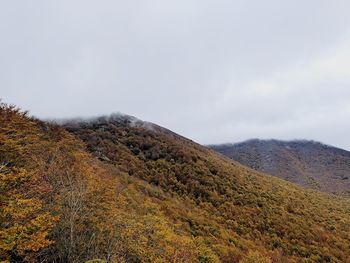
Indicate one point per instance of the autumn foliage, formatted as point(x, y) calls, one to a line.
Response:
point(120, 190)
point(25, 224)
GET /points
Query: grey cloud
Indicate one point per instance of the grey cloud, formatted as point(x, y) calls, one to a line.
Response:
point(214, 71)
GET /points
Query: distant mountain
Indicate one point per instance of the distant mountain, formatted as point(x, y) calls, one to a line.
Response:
point(307, 163)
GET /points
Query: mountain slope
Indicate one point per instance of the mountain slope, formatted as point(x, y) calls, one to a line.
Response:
point(243, 207)
point(59, 204)
point(307, 163)
point(122, 190)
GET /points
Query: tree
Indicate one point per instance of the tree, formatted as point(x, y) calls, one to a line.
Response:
point(25, 226)
point(255, 257)
point(24, 223)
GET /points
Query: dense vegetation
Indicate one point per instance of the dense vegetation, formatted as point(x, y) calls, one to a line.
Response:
point(121, 190)
point(244, 206)
point(58, 204)
point(308, 163)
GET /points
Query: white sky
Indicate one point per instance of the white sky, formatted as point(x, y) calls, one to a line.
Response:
point(214, 71)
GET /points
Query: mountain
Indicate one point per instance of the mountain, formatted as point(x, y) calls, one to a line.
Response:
point(117, 189)
point(307, 163)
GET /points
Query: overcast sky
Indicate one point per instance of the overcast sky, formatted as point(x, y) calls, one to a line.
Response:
point(214, 71)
